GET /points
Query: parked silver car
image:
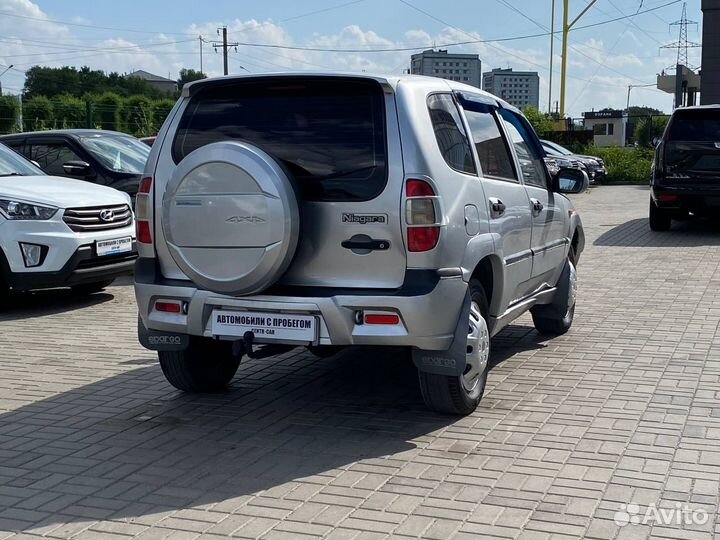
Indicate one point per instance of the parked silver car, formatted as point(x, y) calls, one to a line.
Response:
point(334, 210)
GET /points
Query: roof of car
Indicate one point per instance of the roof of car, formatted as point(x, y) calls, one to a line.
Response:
point(389, 81)
point(75, 132)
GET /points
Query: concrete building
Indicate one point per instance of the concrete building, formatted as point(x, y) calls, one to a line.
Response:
point(710, 82)
point(609, 127)
point(156, 81)
point(465, 68)
point(519, 88)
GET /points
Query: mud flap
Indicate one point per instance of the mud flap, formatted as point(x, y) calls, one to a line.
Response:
point(559, 306)
point(450, 362)
point(161, 341)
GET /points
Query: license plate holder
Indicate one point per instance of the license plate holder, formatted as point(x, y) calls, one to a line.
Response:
point(113, 246)
point(266, 326)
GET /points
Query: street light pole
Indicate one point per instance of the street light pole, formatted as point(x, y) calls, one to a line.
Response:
point(566, 30)
point(630, 87)
point(552, 48)
point(3, 73)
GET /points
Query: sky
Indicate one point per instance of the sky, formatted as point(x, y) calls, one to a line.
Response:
point(162, 37)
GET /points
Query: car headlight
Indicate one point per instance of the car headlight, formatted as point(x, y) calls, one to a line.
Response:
point(12, 209)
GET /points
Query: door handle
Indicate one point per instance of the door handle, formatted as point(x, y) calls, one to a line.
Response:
point(497, 207)
point(537, 206)
point(366, 244)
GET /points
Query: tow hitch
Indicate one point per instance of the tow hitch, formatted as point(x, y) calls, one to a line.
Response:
point(244, 346)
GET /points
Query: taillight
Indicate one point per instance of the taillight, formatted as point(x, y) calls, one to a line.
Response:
point(142, 211)
point(423, 230)
point(168, 307)
point(382, 319)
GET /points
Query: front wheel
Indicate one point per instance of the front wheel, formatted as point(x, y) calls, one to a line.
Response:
point(659, 219)
point(206, 365)
point(462, 394)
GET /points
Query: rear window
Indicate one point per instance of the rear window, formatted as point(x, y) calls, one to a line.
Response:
point(698, 125)
point(330, 134)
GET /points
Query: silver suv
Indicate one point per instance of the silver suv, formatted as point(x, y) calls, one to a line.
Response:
point(336, 210)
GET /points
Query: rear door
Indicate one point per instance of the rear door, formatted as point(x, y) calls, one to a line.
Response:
point(338, 139)
point(506, 199)
point(692, 147)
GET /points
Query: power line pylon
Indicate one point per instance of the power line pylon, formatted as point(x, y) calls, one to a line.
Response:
point(682, 44)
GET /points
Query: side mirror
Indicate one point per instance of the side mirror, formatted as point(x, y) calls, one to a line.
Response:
point(77, 168)
point(655, 141)
point(572, 181)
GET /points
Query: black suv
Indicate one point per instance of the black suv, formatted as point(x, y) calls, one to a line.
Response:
point(685, 177)
point(103, 157)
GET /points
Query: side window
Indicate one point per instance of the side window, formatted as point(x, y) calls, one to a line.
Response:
point(450, 134)
point(531, 160)
point(493, 152)
point(52, 156)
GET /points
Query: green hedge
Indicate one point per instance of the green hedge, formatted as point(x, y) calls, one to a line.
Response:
point(625, 165)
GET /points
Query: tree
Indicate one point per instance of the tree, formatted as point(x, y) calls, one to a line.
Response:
point(51, 82)
point(541, 122)
point(69, 112)
point(189, 75)
point(136, 116)
point(649, 128)
point(9, 113)
point(160, 110)
point(107, 111)
point(37, 113)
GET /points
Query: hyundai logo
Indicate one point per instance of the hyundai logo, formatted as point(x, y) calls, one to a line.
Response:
point(107, 215)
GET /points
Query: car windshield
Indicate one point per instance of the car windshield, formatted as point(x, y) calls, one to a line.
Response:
point(13, 164)
point(119, 153)
point(552, 148)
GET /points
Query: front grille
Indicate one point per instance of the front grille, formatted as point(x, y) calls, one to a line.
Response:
point(90, 220)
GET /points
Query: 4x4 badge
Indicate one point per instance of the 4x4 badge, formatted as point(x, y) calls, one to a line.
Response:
point(362, 219)
point(245, 219)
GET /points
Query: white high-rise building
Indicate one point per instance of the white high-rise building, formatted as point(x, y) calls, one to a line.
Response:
point(465, 68)
point(519, 88)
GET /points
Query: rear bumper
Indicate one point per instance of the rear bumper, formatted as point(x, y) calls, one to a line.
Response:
point(82, 267)
point(700, 200)
point(428, 306)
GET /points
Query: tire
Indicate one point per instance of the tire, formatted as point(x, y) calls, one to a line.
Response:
point(557, 318)
point(90, 288)
point(460, 395)
point(659, 220)
point(205, 366)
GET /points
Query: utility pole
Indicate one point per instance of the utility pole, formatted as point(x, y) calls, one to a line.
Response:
point(566, 30)
point(224, 44)
point(552, 48)
point(200, 38)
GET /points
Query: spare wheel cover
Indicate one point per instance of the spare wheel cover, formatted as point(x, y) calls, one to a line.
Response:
point(231, 218)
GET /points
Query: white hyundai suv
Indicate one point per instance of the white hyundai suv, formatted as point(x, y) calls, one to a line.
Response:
point(59, 232)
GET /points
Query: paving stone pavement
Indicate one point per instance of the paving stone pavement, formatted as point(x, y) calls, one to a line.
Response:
point(625, 409)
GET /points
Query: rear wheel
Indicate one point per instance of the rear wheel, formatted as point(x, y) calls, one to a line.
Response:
point(90, 288)
point(660, 219)
point(462, 394)
point(205, 366)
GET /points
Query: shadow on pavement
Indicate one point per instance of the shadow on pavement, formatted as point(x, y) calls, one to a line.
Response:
point(33, 304)
point(637, 233)
point(130, 447)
